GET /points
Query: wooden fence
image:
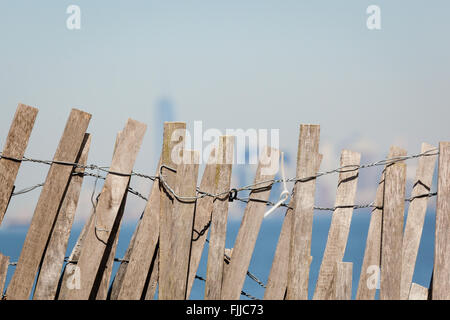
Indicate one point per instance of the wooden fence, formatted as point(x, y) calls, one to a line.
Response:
point(166, 247)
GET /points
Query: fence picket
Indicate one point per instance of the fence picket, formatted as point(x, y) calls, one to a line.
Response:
point(372, 252)
point(234, 276)
point(110, 199)
point(15, 145)
point(392, 231)
point(441, 271)
point(50, 270)
point(4, 264)
point(215, 265)
point(308, 163)
point(340, 225)
point(415, 219)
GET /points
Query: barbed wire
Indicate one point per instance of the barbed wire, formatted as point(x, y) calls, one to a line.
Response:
point(243, 293)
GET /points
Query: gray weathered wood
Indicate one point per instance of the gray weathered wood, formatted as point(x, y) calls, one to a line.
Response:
point(308, 162)
point(102, 291)
point(416, 217)
point(202, 219)
point(214, 275)
point(50, 270)
point(182, 224)
point(278, 277)
point(392, 231)
point(48, 205)
point(417, 292)
point(4, 264)
point(14, 147)
point(441, 271)
point(173, 143)
point(130, 284)
point(340, 225)
point(153, 278)
point(234, 276)
point(109, 202)
point(367, 289)
point(343, 284)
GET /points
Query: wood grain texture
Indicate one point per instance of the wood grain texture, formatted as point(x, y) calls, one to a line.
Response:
point(48, 205)
point(14, 147)
point(173, 144)
point(392, 231)
point(182, 224)
point(308, 162)
point(50, 270)
point(109, 202)
point(340, 225)
point(202, 218)
point(215, 264)
point(234, 276)
point(417, 292)
point(4, 264)
point(278, 277)
point(110, 251)
point(416, 217)
point(144, 246)
point(441, 271)
point(343, 284)
point(367, 290)
point(152, 283)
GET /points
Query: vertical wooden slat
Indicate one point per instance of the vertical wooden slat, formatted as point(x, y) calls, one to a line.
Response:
point(99, 233)
point(343, 284)
point(278, 277)
point(416, 217)
point(129, 283)
point(373, 242)
point(15, 145)
point(102, 292)
point(441, 271)
point(71, 266)
point(174, 134)
point(418, 292)
point(234, 276)
point(214, 275)
point(182, 224)
point(392, 231)
point(308, 162)
point(202, 219)
point(52, 263)
point(48, 205)
point(340, 224)
point(4, 264)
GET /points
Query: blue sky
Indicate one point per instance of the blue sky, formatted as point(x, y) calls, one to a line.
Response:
point(232, 64)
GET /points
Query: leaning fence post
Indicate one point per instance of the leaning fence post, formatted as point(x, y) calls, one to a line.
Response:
point(340, 224)
point(392, 231)
point(50, 270)
point(441, 272)
point(234, 276)
point(47, 207)
point(106, 212)
point(343, 281)
point(372, 252)
point(416, 217)
point(15, 145)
